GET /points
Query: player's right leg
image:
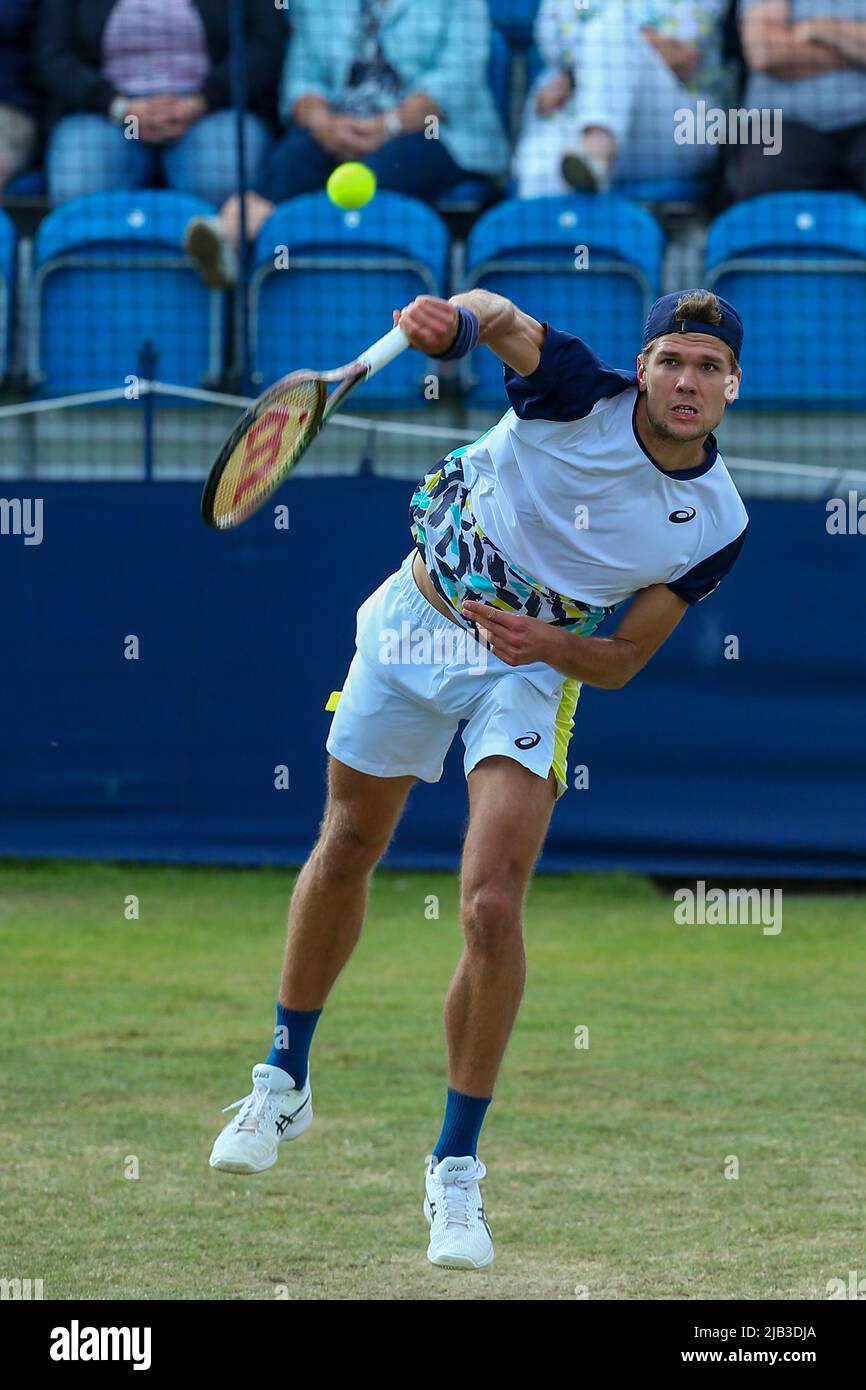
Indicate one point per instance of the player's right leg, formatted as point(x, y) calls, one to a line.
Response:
point(325, 918)
point(386, 732)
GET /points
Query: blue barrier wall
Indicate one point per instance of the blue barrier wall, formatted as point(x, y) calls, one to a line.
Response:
point(701, 765)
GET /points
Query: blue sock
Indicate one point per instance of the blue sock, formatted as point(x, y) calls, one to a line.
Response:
point(464, 1116)
point(292, 1037)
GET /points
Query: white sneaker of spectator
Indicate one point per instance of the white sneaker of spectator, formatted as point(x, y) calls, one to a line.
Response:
point(206, 244)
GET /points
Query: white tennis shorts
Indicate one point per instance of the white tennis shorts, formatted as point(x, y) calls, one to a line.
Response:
point(416, 675)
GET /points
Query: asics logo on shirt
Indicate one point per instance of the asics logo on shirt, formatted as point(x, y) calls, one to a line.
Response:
point(683, 514)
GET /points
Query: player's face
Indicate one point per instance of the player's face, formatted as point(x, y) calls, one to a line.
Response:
point(688, 381)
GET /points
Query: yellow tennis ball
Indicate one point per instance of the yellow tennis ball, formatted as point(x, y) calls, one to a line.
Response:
point(351, 185)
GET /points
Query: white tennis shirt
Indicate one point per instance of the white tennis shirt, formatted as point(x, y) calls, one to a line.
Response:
point(560, 512)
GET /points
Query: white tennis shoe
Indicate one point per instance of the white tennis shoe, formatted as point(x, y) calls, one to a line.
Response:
point(273, 1111)
point(459, 1234)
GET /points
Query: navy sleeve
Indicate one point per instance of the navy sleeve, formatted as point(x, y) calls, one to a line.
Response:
point(696, 583)
point(567, 382)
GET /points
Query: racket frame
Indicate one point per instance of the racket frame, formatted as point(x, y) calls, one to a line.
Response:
point(371, 361)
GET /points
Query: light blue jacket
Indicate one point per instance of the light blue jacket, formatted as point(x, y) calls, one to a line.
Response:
point(440, 47)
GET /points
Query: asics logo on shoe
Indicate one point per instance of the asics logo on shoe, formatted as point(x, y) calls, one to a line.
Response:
point(285, 1120)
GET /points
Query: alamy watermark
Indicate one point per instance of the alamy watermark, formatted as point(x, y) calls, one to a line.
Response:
point(738, 126)
point(421, 646)
point(22, 516)
point(846, 516)
point(712, 907)
point(77, 1343)
point(16, 1290)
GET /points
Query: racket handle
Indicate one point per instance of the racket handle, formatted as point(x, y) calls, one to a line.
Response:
point(384, 351)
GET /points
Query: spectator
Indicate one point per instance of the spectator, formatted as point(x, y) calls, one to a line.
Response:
point(18, 125)
point(548, 127)
point(639, 64)
point(399, 84)
point(164, 63)
point(806, 58)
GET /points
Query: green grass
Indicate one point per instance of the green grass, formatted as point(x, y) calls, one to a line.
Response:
point(606, 1165)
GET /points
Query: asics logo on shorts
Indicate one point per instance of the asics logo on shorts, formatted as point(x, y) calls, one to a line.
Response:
point(527, 740)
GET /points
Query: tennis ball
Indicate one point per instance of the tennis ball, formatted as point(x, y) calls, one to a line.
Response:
point(351, 185)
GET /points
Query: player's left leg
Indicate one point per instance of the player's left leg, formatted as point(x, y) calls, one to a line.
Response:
point(509, 812)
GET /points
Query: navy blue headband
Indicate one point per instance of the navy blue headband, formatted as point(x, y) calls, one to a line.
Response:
point(662, 319)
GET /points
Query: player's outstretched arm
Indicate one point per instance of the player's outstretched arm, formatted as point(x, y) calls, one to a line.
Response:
point(430, 324)
point(514, 336)
point(608, 662)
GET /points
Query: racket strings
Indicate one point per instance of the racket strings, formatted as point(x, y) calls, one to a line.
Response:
point(265, 452)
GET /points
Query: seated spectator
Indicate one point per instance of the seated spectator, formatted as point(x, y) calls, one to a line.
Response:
point(18, 124)
point(608, 104)
point(548, 126)
point(139, 89)
point(400, 85)
point(806, 58)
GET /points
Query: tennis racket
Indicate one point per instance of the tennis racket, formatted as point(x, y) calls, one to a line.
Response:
point(278, 429)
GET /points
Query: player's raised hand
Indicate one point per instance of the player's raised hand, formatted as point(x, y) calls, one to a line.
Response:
point(514, 638)
point(430, 324)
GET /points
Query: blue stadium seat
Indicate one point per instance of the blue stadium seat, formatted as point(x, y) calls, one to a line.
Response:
point(664, 190)
point(324, 282)
point(794, 264)
point(7, 289)
point(528, 251)
point(109, 272)
point(514, 17)
point(469, 196)
point(29, 184)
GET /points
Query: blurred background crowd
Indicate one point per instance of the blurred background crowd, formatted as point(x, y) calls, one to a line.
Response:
point(360, 79)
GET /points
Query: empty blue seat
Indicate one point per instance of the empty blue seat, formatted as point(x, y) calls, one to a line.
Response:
point(109, 272)
point(514, 17)
point(325, 281)
point(794, 265)
point(7, 289)
point(588, 265)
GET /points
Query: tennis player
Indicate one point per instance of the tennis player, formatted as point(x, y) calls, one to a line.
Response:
point(597, 486)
